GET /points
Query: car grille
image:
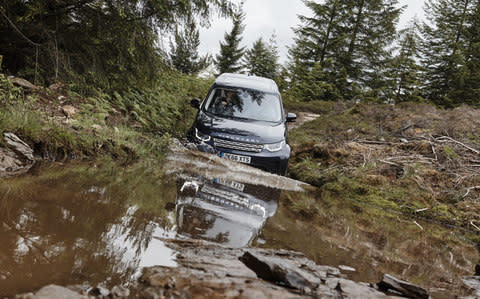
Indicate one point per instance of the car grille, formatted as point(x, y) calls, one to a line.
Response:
point(241, 146)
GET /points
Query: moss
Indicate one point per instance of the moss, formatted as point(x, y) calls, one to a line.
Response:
point(450, 152)
point(302, 204)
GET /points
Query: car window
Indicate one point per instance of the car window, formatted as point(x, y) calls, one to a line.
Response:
point(244, 104)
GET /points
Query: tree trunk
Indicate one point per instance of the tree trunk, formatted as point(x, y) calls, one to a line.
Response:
point(358, 21)
point(333, 14)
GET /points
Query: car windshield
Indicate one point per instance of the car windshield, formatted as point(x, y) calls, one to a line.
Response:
point(244, 104)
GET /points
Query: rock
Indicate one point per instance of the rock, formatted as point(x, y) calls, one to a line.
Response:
point(57, 292)
point(403, 287)
point(17, 145)
point(279, 271)
point(16, 159)
point(347, 268)
point(99, 291)
point(160, 280)
point(473, 282)
point(97, 127)
point(353, 290)
point(57, 86)
point(477, 270)
point(120, 292)
point(69, 111)
point(24, 83)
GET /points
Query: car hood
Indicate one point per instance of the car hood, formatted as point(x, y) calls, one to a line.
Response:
point(241, 130)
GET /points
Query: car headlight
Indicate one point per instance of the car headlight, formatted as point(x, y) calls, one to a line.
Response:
point(202, 137)
point(275, 147)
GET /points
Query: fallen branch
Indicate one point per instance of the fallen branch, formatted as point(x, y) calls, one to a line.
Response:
point(473, 224)
point(469, 189)
point(390, 163)
point(375, 142)
point(415, 222)
point(458, 142)
point(433, 150)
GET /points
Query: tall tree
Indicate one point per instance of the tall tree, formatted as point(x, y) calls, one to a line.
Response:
point(350, 41)
point(184, 52)
point(229, 59)
point(449, 32)
point(405, 70)
point(262, 59)
point(472, 57)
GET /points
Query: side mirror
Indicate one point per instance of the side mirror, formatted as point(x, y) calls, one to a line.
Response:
point(195, 103)
point(291, 117)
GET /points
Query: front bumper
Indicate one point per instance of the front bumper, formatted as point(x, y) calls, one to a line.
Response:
point(274, 162)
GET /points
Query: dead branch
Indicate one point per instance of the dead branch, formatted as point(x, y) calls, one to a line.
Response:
point(469, 189)
point(446, 138)
point(473, 224)
point(390, 163)
point(416, 223)
point(433, 150)
point(375, 142)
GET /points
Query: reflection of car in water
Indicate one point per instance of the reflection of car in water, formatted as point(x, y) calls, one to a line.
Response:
point(223, 211)
point(242, 119)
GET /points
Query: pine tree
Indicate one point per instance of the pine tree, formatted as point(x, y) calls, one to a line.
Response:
point(446, 43)
point(262, 60)
point(472, 57)
point(318, 39)
point(229, 59)
point(404, 73)
point(350, 40)
point(184, 52)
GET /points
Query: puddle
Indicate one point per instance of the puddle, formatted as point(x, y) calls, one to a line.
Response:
point(366, 242)
point(223, 211)
point(76, 223)
point(100, 223)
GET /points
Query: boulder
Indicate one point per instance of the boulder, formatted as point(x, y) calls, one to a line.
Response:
point(17, 158)
point(69, 111)
point(17, 145)
point(57, 86)
point(403, 287)
point(23, 83)
point(279, 271)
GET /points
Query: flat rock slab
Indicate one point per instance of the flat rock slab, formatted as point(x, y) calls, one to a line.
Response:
point(403, 287)
point(209, 270)
point(279, 271)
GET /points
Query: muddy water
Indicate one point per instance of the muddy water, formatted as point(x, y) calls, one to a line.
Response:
point(100, 223)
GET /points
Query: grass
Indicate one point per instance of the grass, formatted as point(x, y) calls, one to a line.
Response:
point(124, 126)
point(329, 153)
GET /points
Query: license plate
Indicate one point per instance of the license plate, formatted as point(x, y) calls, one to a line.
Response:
point(237, 158)
point(235, 185)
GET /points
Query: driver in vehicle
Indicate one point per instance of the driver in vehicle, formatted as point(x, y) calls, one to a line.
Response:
point(225, 105)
